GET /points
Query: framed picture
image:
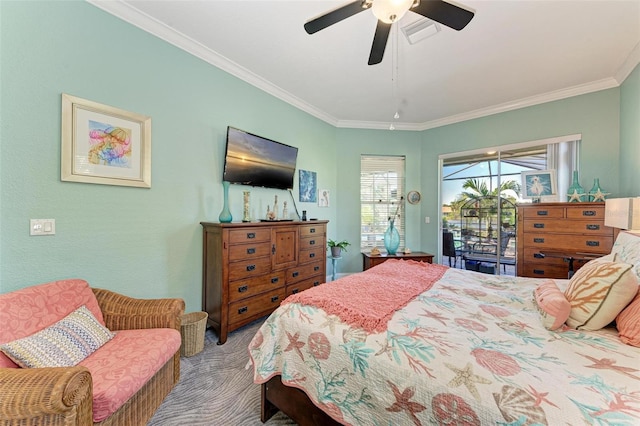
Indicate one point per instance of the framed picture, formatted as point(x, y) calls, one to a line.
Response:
point(104, 145)
point(539, 184)
point(308, 186)
point(323, 198)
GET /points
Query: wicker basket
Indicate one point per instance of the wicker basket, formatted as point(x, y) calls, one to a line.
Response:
point(192, 331)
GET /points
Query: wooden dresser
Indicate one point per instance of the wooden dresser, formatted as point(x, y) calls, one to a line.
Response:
point(249, 268)
point(369, 260)
point(551, 235)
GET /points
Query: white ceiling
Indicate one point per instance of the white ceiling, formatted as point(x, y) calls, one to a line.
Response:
point(513, 53)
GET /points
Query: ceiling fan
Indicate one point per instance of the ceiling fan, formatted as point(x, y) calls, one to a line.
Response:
point(390, 11)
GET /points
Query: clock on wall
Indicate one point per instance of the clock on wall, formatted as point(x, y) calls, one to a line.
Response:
point(413, 197)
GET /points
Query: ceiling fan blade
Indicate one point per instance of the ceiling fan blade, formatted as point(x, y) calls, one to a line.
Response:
point(334, 16)
point(379, 43)
point(445, 13)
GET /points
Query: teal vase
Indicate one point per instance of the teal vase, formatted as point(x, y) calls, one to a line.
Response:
point(576, 192)
point(391, 238)
point(225, 214)
point(596, 193)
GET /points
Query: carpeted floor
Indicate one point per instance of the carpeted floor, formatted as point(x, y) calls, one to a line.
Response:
point(215, 388)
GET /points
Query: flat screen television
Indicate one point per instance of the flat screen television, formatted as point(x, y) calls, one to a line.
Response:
point(257, 161)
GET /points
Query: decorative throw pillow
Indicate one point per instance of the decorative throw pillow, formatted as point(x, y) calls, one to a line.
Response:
point(598, 292)
point(628, 322)
point(554, 308)
point(63, 344)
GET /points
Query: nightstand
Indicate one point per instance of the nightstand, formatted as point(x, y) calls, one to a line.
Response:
point(369, 260)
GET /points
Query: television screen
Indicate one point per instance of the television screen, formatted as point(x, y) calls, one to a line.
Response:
point(257, 161)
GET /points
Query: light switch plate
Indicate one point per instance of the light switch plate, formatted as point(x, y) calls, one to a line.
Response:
point(42, 227)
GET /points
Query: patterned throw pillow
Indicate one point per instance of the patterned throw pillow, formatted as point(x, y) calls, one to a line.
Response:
point(554, 308)
point(628, 323)
point(598, 292)
point(63, 344)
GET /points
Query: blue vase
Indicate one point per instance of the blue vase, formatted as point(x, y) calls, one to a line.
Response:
point(576, 192)
point(391, 238)
point(225, 214)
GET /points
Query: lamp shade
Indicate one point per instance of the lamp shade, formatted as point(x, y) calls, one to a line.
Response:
point(623, 213)
point(390, 11)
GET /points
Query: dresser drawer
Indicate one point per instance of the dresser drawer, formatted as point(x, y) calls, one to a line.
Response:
point(551, 212)
point(248, 287)
point(249, 268)
point(570, 243)
point(249, 235)
point(595, 227)
point(312, 230)
point(311, 255)
point(545, 271)
point(303, 272)
point(303, 285)
point(262, 303)
point(313, 242)
point(592, 212)
point(249, 251)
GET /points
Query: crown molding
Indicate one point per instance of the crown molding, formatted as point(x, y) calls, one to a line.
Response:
point(135, 17)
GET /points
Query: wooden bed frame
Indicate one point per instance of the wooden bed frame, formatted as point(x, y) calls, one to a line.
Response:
point(293, 402)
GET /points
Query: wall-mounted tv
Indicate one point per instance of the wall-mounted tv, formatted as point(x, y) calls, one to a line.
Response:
point(257, 161)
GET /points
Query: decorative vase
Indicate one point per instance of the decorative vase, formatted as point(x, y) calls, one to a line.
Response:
point(576, 192)
point(596, 193)
point(225, 214)
point(246, 216)
point(392, 238)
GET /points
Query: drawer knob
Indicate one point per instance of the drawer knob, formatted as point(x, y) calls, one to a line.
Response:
point(589, 213)
point(251, 250)
point(274, 299)
point(538, 240)
point(242, 288)
point(312, 255)
point(251, 235)
point(243, 310)
point(315, 268)
point(295, 274)
point(295, 290)
point(538, 271)
point(593, 227)
point(538, 225)
point(274, 280)
point(251, 268)
point(538, 255)
point(312, 230)
point(312, 242)
point(542, 213)
point(316, 283)
point(593, 243)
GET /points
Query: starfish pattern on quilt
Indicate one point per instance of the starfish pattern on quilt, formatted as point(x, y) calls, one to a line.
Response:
point(464, 376)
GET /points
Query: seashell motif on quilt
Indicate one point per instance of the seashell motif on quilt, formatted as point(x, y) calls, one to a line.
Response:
point(450, 409)
point(516, 404)
point(496, 362)
point(356, 334)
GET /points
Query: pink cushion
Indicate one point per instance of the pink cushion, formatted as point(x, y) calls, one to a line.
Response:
point(26, 311)
point(628, 322)
point(125, 363)
point(554, 308)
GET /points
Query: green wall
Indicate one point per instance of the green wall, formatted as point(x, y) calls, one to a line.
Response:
point(630, 135)
point(147, 242)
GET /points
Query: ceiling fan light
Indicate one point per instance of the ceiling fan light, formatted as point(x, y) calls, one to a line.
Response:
point(390, 11)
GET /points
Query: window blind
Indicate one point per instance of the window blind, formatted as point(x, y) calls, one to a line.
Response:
point(381, 187)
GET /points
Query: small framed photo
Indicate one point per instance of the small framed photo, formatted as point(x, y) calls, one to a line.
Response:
point(323, 198)
point(104, 145)
point(539, 185)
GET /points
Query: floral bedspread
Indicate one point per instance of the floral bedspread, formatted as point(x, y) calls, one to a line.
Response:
point(471, 350)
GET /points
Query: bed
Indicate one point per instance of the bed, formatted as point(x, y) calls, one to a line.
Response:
point(413, 343)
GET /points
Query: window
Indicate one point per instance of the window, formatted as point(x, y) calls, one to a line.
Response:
point(381, 187)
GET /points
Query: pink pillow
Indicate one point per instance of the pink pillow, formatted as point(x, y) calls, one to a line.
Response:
point(554, 308)
point(628, 322)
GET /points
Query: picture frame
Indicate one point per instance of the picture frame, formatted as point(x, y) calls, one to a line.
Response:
point(323, 198)
point(104, 145)
point(539, 185)
point(308, 186)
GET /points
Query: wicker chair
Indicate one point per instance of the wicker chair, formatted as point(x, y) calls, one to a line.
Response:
point(64, 396)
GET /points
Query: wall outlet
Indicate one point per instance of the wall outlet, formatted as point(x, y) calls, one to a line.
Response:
point(42, 227)
point(427, 219)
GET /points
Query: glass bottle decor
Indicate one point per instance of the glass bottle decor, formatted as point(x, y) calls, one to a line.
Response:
point(576, 192)
point(392, 238)
point(596, 193)
point(246, 215)
point(225, 214)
